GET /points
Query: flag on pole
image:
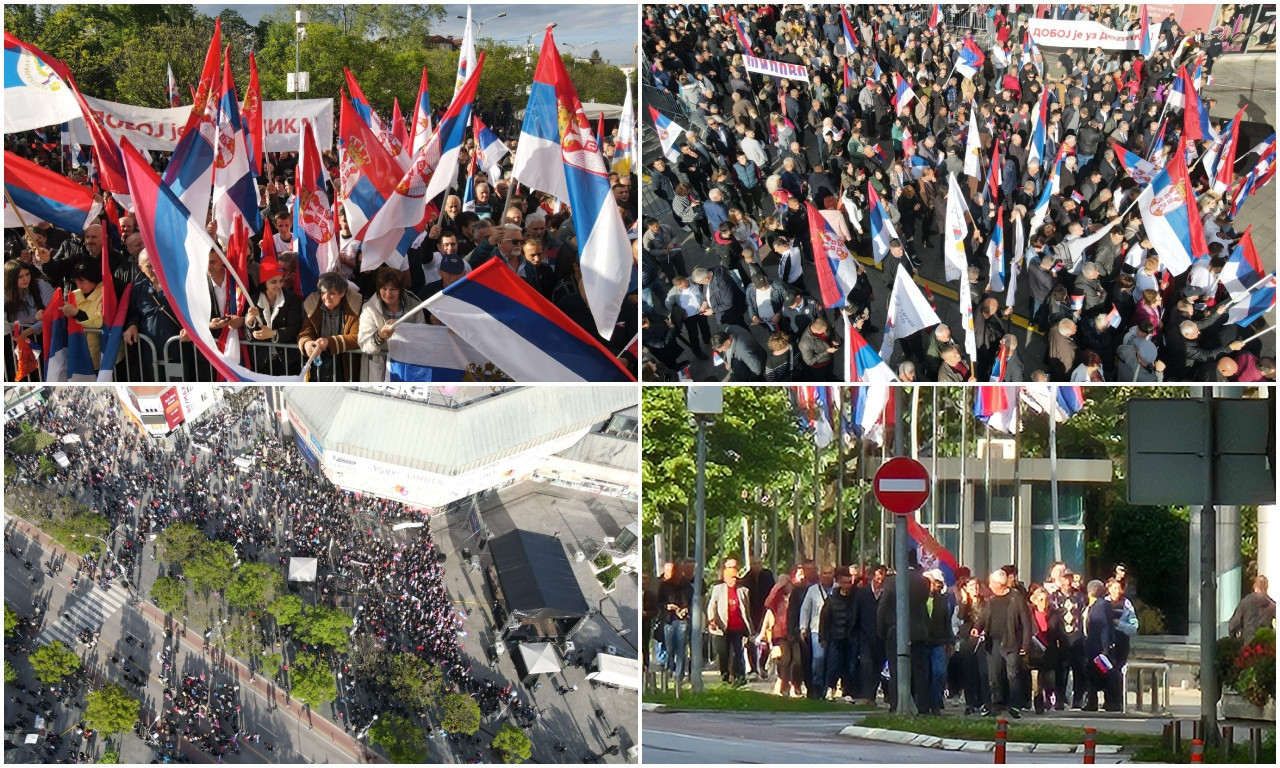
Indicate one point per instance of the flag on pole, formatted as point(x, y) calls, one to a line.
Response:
point(743, 38)
point(864, 365)
point(1258, 176)
point(1225, 174)
point(668, 132)
point(929, 553)
point(993, 172)
point(190, 170)
point(1139, 170)
point(995, 253)
point(966, 321)
point(171, 87)
point(1039, 129)
point(837, 269)
point(872, 405)
point(421, 116)
point(557, 154)
point(466, 58)
point(882, 229)
point(425, 352)
point(1262, 299)
point(314, 227)
point(469, 191)
point(235, 190)
point(369, 175)
point(970, 58)
point(954, 259)
point(903, 95)
point(492, 150)
point(850, 45)
point(43, 195)
point(908, 312)
point(1017, 262)
point(624, 147)
point(997, 407)
point(1195, 116)
point(37, 88)
point(1146, 44)
point(251, 114)
point(382, 130)
point(397, 124)
point(973, 146)
point(1170, 216)
point(935, 17)
point(1042, 205)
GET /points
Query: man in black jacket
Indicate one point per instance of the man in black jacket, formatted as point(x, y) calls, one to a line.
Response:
point(871, 652)
point(1007, 624)
point(837, 630)
point(917, 628)
point(1098, 645)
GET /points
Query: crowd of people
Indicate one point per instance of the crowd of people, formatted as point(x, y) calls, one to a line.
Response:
point(728, 239)
point(275, 510)
point(347, 318)
point(998, 645)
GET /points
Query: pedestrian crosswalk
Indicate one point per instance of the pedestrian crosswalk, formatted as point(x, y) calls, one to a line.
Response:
point(89, 610)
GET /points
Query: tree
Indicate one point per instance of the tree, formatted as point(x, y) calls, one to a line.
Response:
point(53, 662)
point(80, 530)
point(110, 756)
point(401, 26)
point(461, 714)
point(111, 709)
point(169, 594)
point(211, 566)
point(255, 585)
point(415, 682)
point(312, 680)
point(287, 609)
point(10, 621)
point(511, 745)
point(179, 542)
point(10, 674)
point(400, 737)
point(322, 625)
point(270, 664)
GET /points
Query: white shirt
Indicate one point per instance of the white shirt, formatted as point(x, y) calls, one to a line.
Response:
point(1145, 281)
point(690, 300)
point(755, 153)
point(791, 266)
point(282, 246)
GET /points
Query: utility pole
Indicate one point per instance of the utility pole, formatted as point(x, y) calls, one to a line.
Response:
point(703, 403)
point(902, 615)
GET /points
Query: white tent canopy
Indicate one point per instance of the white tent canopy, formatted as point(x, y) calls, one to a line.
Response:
point(302, 568)
point(540, 658)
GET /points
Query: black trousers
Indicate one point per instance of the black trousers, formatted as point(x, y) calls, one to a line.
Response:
point(1004, 672)
point(729, 654)
point(1071, 661)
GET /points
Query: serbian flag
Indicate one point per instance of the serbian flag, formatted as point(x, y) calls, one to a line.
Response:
point(1039, 129)
point(108, 168)
point(175, 241)
point(491, 149)
point(668, 132)
point(1070, 400)
point(1258, 176)
point(235, 189)
point(1031, 54)
point(407, 205)
point(369, 174)
point(66, 350)
point(902, 93)
point(850, 45)
point(935, 18)
point(190, 170)
point(380, 129)
point(171, 87)
point(882, 230)
point(837, 269)
point(1195, 116)
point(876, 72)
point(1139, 170)
point(1146, 44)
point(848, 77)
point(24, 358)
point(469, 191)
point(1157, 144)
point(1261, 300)
point(872, 407)
point(397, 124)
point(1226, 160)
point(1169, 213)
point(743, 38)
point(995, 253)
point(251, 114)
point(425, 352)
point(1000, 368)
point(112, 328)
point(557, 154)
point(600, 132)
point(507, 321)
point(997, 407)
point(864, 365)
point(421, 133)
point(314, 225)
point(971, 58)
point(37, 88)
point(43, 195)
point(929, 553)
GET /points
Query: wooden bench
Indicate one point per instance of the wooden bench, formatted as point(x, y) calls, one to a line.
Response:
point(1159, 683)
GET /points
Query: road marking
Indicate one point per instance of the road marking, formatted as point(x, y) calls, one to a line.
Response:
point(86, 610)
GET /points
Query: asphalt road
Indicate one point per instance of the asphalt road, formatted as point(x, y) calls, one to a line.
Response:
point(785, 738)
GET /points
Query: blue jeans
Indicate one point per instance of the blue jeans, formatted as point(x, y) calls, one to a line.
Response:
point(819, 667)
point(937, 675)
point(676, 637)
point(1082, 161)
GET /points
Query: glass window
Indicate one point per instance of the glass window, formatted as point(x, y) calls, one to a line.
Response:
point(1042, 550)
point(950, 538)
point(950, 506)
point(1070, 504)
point(1001, 551)
point(1001, 502)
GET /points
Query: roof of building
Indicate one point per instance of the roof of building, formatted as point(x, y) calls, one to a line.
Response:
point(604, 450)
point(536, 577)
point(455, 439)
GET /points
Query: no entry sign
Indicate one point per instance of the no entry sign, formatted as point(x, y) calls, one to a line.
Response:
point(902, 485)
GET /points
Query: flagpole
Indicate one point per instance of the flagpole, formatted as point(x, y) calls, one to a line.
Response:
point(817, 494)
point(1053, 478)
point(862, 504)
point(964, 450)
point(31, 238)
point(840, 558)
point(986, 481)
point(933, 470)
point(1259, 334)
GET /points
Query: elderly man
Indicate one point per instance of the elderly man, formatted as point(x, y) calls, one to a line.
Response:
point(729, 622)
point(1061, 350)
point(504, 242)
point(1006, 621)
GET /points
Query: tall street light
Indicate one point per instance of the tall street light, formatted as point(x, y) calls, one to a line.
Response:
point(480, 24)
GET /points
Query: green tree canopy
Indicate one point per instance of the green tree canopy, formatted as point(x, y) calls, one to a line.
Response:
point(255, 585)
point(511, 744)
point(111, 709)
point(53, 662)
point(287, 609)
point(169, 593)
point(10, 674)
point(10, 621)
point(211, 566)
point(414, 681)
point(178, 543)
point(312, 680)
point(402, 739)
point(322, 625)
point(460, 714)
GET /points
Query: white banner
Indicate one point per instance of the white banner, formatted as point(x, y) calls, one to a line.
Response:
point(777, 69)
point(1051, 33)
point(160, 129)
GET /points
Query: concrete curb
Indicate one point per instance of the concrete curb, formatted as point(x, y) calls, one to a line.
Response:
point(907, 738)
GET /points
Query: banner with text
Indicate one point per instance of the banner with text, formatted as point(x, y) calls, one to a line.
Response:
point(160, 129)
point(777, 69)
point(1052, 33)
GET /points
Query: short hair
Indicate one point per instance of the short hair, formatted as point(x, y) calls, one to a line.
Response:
point(1089, 270)
point(387, 276)
point(700, 274)
point(906, 368)
point(1096, 589)
point(1187, 328)
point(1091, 359)
point(332, 282)
point(999, 576)
point(1009, 341)
point(718, 340)
point(778, 341)
point(1066, 326)
point(1126, 281)
point(1150, 296)
point(283, 216)
point(86, 269)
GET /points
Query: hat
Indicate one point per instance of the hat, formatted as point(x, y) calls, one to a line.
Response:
point(268, 269)
point(452, 264)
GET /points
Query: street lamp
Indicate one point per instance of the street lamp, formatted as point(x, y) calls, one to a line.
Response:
point(579, 45)
point(528, 44)
point(480, 24)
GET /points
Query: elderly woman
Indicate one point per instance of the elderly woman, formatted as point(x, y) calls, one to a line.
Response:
point(276, 318)
point(331, 321)
point(388, 305)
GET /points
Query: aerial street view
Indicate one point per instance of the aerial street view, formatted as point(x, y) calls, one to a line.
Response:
point(321, 575)
point(925, 574)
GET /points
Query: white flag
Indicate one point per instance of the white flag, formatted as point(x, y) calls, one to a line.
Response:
point(973, 147)
point(466, 56)
point(909, 312)
point(1018, 260)
point(957, 229)
point(966, 321)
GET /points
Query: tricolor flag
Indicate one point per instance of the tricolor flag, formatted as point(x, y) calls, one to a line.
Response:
point(997, 407)
point(1062, 401)
point(1139, 170)
point(1195, 116)
point(935, 18)
point(467, 63)
point(850, 45)
point(863, 364)
point(491, 148)
point(1070, 399)
point(743, 38)
point(1031, 54)
point(1113, 317)
point(1258, 176)
point(525, 335)
point(848, 77)
point(235, 191)
point(993, 172)
point(1146, 43)
point(425, 352)
point(908, 312)
point(668, 132)
point(171, 87)
point(1262, 299)
point(369, 178)
point(1039, 129)
point(872, 409)
point(995, 253)
point(929, 553)
point(970, 58)
point(837, 269)
point(66, 350)
point(43, 195)
point(558, 154)
point(903, 95)
point(1157, 144)
point(380, 128)
point(1042, 205)
point(882, 229)
point(177, 241)
point(315, 227)
point(190, 170)
point(624, 146)
point(421, 132)
point(37, 88)
point(397, 124)
point(1170, 216)
point(1224, 172)
point(469, 190)
point(1016, 263)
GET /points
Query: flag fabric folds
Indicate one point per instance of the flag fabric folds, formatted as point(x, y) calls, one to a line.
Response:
point(1261, 299)
point(558, 154)
point(1244, 268)
point(902, 93)
point(668, 132)
point(954, 259)
point(864, 365)
point(43, 195)
point(1139, 170)
point(970, 58)
point(421, 132)
point(929, 553)
point(66, 350)
point(425, 352)
point(510, 323)
point(995, 253)
point(997, 407)
point(314, 229)
point(491, 149)
point(1171, 218)
point(251, 113)
point(624, 147)
point(837, 269)
point(235, 189)
point(882, 230)
point(909, 312)
point(37, 88)
point(171, 87)
point(190, 170)
point(973, 146)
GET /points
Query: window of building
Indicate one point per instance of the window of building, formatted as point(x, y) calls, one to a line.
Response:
point(1070, 526)
point(1002, 499)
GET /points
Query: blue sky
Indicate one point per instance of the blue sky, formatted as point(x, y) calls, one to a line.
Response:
point(610, 28)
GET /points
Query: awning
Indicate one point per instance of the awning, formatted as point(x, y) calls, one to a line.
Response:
point(536, 578)
point(618, 671)
point(540, 658)
point(302, 569)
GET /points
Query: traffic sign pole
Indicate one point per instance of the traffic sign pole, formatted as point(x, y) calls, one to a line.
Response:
point(902, 614)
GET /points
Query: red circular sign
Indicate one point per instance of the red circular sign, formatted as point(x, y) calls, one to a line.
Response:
point(902, 485)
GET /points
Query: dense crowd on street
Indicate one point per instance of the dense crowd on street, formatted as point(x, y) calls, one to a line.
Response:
point(867, 146)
